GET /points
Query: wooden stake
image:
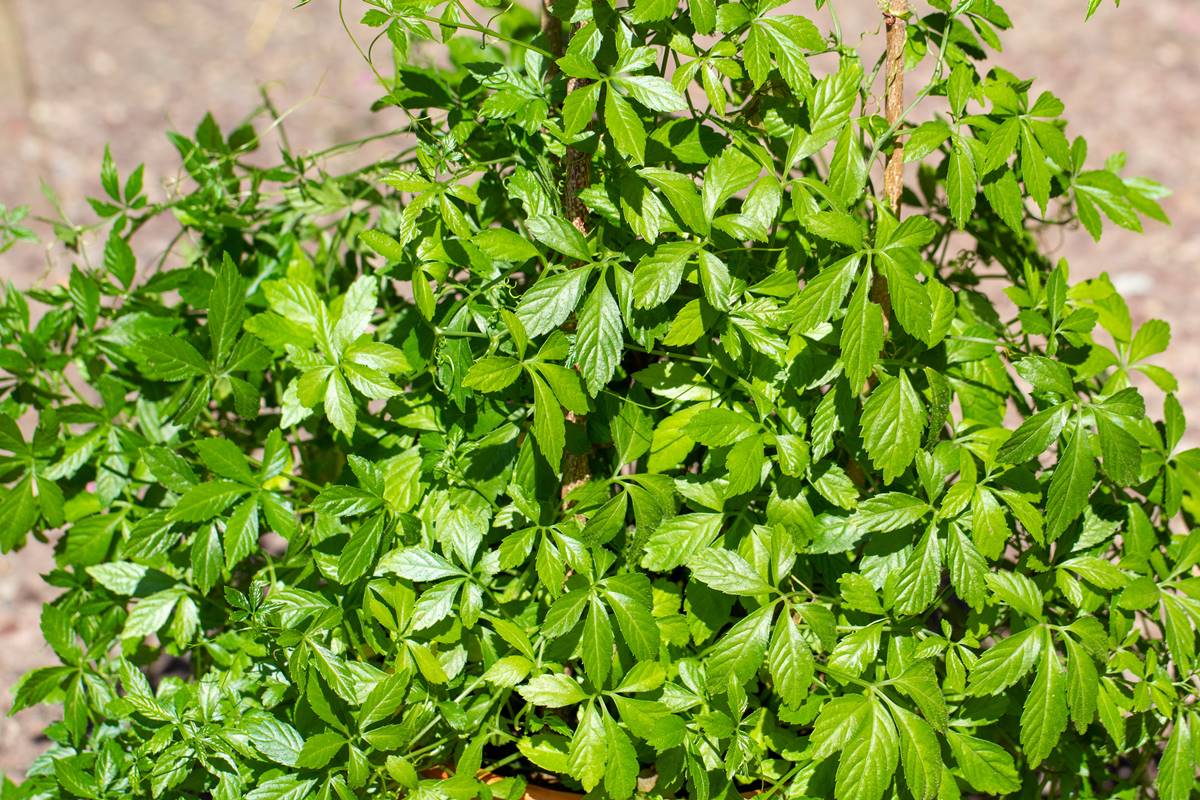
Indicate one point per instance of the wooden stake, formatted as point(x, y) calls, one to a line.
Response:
point(893, 171)
point(553, 31)
point(576, 175)
point(897, 36)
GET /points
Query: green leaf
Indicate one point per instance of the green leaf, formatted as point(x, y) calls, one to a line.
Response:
point(680, 191)
point(1034, 435)
point(1034, 171)
point(857, 649)
point(986, 766)
point(418, 564)
point(1017, 590)
point(1005, 663)
point(1002, 144)
point(727, 572)
point(925, 139)
point(226, 459)
point(359, 554)
point(206, 500)
point(738, 654)
point(823, 295)
point(566, 385)
point(1072, 482)
point(121, 577)
point(726, 175)
point(790, 662)
point(580, 107)
point(274, 738)
point(677, 540)
point(1044, 717)
point(1003, 194)
point(589, 749)
point(839, 720)
point(167, 358)
point(658, 275)
point(651, 722)
point(848, 170)
point(789, 36)
point(72, 778)
point(631, 601)
point(286, 787)
point(599, 339)
point(920, 754)
point(1177, 768)
point(1083, 685)
point(207, 559)
point(150, 614)
point(1046, 375)
point(557, 233)
point(916, 585)
point(553, 691)
point(961, 184)
point(910, 300)
point(1110, 713)
point(621, 761)
point(1119, 448)
point(653, 10)
point(226, 307)
point(719, 427)
point(319, 750)
point(967, 568)
point(505, 245)
point(870, 757)
point(119, 259)
point(889, 511)
point(492, 373)
point(382, 244)
point(549, 302)
point(626, 129)
point(829, 110)
point(1151, 339)
point(704, 15)
point(715, 279)
point(653, 92)
point(339, 404)
point(892, 423)
point(597, 643)
point(862, 334)
point(989, 525)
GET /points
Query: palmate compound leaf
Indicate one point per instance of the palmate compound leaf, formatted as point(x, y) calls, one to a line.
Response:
point(829, 519)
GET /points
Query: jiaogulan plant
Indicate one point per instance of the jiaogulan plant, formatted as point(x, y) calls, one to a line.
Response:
point(686, 408)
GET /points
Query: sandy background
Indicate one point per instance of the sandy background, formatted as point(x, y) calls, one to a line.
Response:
point(122, 72)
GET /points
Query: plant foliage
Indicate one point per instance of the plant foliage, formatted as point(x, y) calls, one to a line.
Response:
point(618, 432)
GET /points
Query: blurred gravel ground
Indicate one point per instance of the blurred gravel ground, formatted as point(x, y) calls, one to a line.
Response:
point(73, 80)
